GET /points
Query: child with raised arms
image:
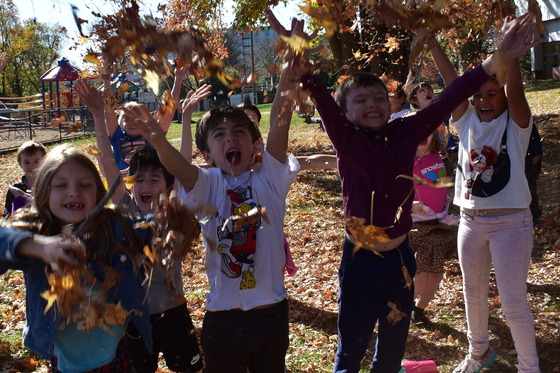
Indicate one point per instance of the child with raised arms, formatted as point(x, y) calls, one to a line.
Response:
point(492, 191)
point(246, 323)
point(172, 328)
point(372, 153)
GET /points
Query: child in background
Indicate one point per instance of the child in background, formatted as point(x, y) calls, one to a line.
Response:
point(172, 327)
point(434, 233)
point(306, 162)
point(491, 190)
point(246, 322)
point(67, 189)
point(125, 138)
point(420, 96)
point(372, 153)
point(29, 157)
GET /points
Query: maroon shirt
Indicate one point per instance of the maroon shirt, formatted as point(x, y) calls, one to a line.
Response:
point(370, 161)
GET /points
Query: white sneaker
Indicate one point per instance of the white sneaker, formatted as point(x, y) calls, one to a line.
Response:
point(470, 365)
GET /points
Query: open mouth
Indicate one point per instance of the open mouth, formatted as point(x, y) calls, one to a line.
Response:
point(233, 156)
point(146, 197)
point(74, 206)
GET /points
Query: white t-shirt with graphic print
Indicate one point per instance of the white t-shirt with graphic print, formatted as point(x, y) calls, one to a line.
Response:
point(239, 277)
point(473, 136)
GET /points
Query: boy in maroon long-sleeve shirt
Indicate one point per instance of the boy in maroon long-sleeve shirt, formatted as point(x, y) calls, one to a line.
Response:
point(371, 153)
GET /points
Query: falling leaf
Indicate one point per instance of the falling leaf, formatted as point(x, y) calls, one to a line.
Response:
point(392, 44)
point(74, 127)
point(296, 43)
point(395, 315)
point(365, 236)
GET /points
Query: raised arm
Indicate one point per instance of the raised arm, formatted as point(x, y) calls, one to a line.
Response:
point(446, 69)
point(171, 158)
point(181, 70)
point(517, 102)
point(94, 102)
point(111, 119)
point(189, 106)
point(296, 64)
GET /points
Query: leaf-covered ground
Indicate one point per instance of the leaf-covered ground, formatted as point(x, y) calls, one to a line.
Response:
point(314, 230)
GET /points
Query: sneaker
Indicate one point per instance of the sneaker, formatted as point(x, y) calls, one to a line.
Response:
point(470, 365)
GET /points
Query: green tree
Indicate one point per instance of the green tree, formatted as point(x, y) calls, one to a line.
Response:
point(31, 48)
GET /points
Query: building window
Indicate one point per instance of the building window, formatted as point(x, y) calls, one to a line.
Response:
point(551, 55)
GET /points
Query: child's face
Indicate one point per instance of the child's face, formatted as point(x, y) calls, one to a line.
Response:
point(368, 107)
point(72, 194)
point(129, 128)
point(147, 186)
point(231, 147)
point(424, 96)
point(30, 163)
point(490, 102)
point(251, 114)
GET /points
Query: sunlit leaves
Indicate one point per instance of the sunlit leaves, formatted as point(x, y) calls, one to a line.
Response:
point(365, 236)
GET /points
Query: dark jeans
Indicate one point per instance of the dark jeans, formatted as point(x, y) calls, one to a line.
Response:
point(173, 335)
point(367, 283)
point(235, 341)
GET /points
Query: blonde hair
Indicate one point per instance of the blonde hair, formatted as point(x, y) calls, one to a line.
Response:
point(39, 218)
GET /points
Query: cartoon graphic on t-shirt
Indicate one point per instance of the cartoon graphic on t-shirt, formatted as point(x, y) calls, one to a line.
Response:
point(237, 246)
point(481, 167)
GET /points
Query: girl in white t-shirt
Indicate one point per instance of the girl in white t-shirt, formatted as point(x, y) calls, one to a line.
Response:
point(492, 191)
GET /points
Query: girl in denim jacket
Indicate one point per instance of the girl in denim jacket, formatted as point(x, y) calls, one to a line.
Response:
point(79, 328)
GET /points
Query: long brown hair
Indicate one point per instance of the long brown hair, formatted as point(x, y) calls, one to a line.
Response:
point(101, 235)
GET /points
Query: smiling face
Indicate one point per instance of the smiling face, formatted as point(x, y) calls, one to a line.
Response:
point(231, 147)
point(490, 102)
point(422, 95)
point(30, 163)
point(129, 128)
point(147, 186)
point(368, 106)
point(73, 193)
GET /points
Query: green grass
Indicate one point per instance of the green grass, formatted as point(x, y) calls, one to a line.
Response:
point(297, 123)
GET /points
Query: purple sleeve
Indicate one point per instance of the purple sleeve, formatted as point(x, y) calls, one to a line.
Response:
point(443, 104)
point(334, 119)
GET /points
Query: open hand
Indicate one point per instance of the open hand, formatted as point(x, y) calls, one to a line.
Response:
point(194, 97)
point(90, 97)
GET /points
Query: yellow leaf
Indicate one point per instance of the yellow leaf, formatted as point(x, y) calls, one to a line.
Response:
point(93, 59)
point(152, 80)
point(50, 297)
point(296, 43)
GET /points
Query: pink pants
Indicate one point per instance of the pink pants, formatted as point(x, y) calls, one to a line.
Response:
point(506, 242)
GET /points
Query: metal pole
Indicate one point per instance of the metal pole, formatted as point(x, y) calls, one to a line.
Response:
point(253, 71)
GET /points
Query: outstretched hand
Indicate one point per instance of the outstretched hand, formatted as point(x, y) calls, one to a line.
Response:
point(53, 250)
point(518, 36)
point(297, 40)
point(194, 97)
point(148, 127)
point(90, 97)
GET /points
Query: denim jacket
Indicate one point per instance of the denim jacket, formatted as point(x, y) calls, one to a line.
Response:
point(41, 328)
